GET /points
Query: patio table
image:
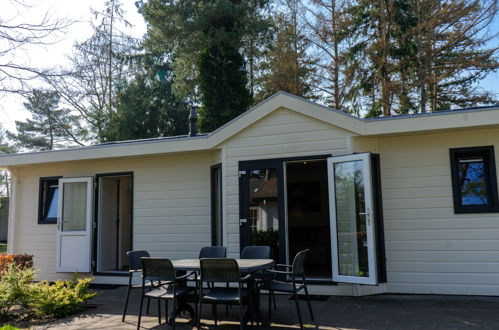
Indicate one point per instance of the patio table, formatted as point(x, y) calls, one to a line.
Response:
point(246, 266)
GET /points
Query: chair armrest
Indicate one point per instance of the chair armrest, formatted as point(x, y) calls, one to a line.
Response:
point(280, 272)
point(185, 276)
point(284, 266)
point(245, 278)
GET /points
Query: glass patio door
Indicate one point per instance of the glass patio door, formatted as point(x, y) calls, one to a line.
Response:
point(74, 223)
point(262, 207)
point(352, 219)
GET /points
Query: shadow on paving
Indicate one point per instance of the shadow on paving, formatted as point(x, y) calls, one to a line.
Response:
point(373, 312)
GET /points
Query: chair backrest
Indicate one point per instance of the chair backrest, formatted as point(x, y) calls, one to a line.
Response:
point(299, 262)
point(219, 270)
point(256, 252)
point(157, 269)
point(213, 252)
point(134, 263)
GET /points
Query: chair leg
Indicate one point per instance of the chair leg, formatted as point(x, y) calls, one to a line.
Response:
point(270, 304)
point(159, 311)
point(241, 314)
point(309, 305)
point(273, 298)
point(148, 304)
point(298, 310)
point(215, 313)
point(174, 311)
point(166, 311)
point(126, 302)
point(199, 314)
point(140, 311)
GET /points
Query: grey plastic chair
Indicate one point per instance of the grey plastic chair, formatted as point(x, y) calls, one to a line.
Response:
point(166, 285)
point(213, 252)
point(222, 270)
point(256, 252)
point(134, 266)
point(294, 271)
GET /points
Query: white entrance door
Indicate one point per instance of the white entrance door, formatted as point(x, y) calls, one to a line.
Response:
point(352, 219)
point(74, 223)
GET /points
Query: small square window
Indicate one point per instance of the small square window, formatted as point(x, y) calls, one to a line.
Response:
point(48, 200)
point(474, 181)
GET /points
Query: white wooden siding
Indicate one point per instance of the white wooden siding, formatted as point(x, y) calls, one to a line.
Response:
point(429, 249)
point(283, 133)
point(171, 206)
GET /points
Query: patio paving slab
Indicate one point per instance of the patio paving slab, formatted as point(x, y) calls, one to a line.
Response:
point(373, 312)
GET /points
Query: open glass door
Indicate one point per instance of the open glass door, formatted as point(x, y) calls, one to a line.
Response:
point(74, 225)
point(352, 219)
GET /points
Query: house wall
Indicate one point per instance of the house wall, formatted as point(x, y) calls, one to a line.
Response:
point(429, 249)
point(283, 133)
point(171, 206)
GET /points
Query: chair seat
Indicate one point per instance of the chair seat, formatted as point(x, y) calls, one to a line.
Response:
point(224, 295)
point(166, 292)
point(281, 286)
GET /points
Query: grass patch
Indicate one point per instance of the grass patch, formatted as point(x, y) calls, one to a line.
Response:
point(3, 248)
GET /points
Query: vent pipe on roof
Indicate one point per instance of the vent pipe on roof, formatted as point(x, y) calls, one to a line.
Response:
point(193, 119)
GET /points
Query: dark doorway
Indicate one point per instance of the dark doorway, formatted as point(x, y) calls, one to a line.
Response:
point(308, 215)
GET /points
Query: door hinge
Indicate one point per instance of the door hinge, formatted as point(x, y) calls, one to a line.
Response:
point(241, 173)
point(93, 263)
point(95, 184)
point(95, 224)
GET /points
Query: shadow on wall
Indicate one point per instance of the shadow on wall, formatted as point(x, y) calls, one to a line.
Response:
point(4, 218)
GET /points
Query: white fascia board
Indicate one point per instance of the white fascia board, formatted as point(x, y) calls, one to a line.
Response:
point(433, 122)
point(106, 151)
point(283, 100)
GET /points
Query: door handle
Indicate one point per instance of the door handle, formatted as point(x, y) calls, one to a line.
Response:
point(368, 215)
point(241, 221)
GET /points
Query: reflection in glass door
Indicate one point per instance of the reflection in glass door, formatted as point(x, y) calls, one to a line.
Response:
point(351, 214)
point(262, 207)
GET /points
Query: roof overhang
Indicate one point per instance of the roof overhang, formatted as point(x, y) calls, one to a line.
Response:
point(358, 126)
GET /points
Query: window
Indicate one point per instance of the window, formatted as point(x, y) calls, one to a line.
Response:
point(47, 200)
point(474, 181)
point(216, 205)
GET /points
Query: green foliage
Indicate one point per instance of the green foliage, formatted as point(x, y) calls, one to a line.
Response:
point(8, 327)
point(50, 126)
point(3, 248)
point(14, 288)
point(147, 107)
point(61, 298)
point(222, 83)
point(207, 38)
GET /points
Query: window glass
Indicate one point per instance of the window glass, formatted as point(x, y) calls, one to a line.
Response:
point(52, 202)
point(48, 200)
point(473, 181)
point(216, 212)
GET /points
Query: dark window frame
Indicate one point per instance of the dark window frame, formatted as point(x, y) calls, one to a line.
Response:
point(487, 153)
point(42, 220)
point(213, 170)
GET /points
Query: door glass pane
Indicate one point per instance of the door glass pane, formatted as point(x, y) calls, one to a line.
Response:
point(217, 207)
point(264, 212)
point(351, 222)
point(74, 209)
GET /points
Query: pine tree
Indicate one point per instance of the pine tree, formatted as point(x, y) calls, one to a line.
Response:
point(50, 126)
point(207, 39)
point(147, 107)
point(289, 67)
